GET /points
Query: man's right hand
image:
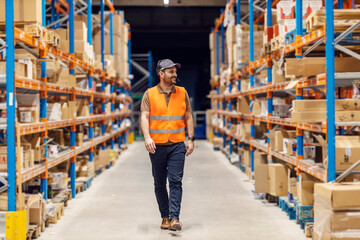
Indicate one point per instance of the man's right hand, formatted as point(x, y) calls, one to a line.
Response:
point(150, 145)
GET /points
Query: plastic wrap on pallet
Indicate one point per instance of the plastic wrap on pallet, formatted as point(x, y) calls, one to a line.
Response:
point(333, 220)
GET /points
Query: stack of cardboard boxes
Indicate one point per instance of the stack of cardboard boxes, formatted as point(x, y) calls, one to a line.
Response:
point(241, 49)
point(118, 65)
point(337, 211)
point(215, 56)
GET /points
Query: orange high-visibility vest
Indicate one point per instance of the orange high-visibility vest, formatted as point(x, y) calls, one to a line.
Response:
point(167, 122)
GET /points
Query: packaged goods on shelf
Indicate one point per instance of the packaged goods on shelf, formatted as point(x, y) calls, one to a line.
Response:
point(39, 149)
point(290, 146)
point(279, 139)
point(242, 42)
point(245, 153)
point(3, 158)
point(58, 180)
point(278, 74)
point(52, 150)
point(82, 106)
point(311, 66)
point(277, 175)
point(311, 6)
point(261, 178)
point(28, 108)
point(337, 211)
point(305, 189)
point(79, 137)
point(63, 77)
point(24, 11)
point(58, 136)
point(36, 207)
point(309, 151)
point(320, 105)
point(54, 111)
point(243, 105)
point(285, 10)
point(4, 202)
point(347, 148)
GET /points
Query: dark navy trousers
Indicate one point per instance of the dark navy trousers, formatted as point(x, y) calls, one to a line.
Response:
point(168, 163)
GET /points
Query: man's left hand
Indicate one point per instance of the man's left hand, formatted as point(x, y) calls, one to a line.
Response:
point(189, 147)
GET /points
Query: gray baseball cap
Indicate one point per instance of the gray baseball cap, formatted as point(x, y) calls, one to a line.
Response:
point(166, 63)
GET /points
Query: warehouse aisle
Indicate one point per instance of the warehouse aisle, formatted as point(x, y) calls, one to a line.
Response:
point(217, 204)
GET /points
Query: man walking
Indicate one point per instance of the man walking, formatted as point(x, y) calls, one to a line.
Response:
point(165, 111)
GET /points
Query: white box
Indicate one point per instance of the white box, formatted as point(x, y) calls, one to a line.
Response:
point(52, 150)
point(309, 152)
point(285, 10)
point(311, 6)
point(54, 111)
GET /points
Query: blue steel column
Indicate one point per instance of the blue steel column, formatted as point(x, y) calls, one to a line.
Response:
point(43, 108)
point(269, 70)
point(251, 43)
point(150, 69)
point(299, 91)
point(340, 4)
point(330, 86)
point(218, 107)
point(112, 82)
point(53, 13)
point(57, 15)
point(111, 32)
point(222, 29)
point(224, 123)
point(102, 9)
point(217, 52)
point(72, 97)
point(90, 80)
point(10, 104)
point(230, 123)
point(238, 22)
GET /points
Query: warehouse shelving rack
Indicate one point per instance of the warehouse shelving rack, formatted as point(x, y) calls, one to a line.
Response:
point(328, 80)
point(16, 176)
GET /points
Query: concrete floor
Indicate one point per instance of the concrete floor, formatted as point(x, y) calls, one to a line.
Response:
point(217, 204)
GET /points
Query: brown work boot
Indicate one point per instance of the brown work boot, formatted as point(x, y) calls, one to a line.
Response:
point(175, 225)
point(165, 223)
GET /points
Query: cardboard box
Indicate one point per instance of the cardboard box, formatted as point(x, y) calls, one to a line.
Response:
point(277, 175)
point(24, 11)
point(72, 109)
point(339, 196)
point(261, 178)
point(79, 139)
point(279, 137)
point(83, 108)
point(316, 65)
point(81, 31)
point(291, 146)
point(3, 158)
point(64, 111)
point(231, 35)
point(39, 149)
point(246, 158)
point(305, 189)
point(54, 111)
point(58, 136)
point(347, 151)
point(243, 105)
point(260, 158)
point(104, 157)
point(320, 105)
point(278, 75)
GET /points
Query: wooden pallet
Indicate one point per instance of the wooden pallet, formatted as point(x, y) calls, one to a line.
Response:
point(53, 38)
point(343, 19)
point(267, 48)
point(34, 232)
point(309, 229)
point(59, 210)
point(277, 43)
point(37, 31)
point(79, 187)
point(85, 180)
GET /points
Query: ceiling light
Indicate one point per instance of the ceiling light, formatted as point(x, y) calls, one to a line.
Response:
point(166, 2)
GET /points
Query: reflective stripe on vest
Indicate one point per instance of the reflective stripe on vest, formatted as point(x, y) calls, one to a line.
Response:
point(165, 118)
point(166, 131)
